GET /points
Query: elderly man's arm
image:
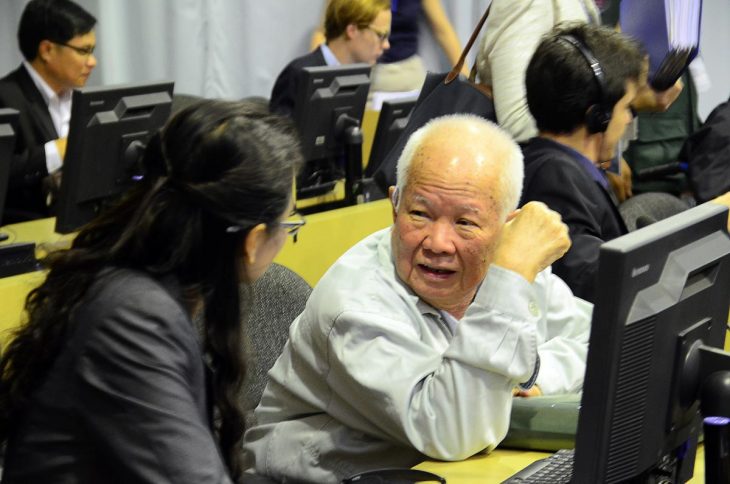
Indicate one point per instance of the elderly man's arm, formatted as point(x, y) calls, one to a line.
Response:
point(446, 404)
point(566, 330)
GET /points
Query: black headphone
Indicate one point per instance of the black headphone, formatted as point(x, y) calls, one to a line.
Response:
point(598, 115)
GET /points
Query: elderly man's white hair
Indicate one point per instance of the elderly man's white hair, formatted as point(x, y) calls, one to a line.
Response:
point(509, 165)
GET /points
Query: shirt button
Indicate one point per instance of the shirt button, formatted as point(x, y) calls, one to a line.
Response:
point(534, 310)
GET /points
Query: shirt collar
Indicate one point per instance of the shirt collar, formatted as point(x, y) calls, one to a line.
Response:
point(596, 173)
point(45, 90)
point(329, 57)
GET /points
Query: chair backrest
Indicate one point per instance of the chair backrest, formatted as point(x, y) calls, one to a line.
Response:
point(646, 208)
point(279, 296)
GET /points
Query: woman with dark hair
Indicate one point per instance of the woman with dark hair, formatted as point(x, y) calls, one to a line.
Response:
point(110, 380)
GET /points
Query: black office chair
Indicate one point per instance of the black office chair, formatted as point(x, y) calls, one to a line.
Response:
point(279, 296)
point(646, 208)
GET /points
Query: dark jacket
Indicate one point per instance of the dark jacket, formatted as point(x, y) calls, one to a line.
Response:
point(126, 399)
point(555, 177)
point(285, 88)
point(26, 198)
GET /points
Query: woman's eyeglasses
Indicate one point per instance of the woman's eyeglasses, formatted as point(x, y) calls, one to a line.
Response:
point(292, 226)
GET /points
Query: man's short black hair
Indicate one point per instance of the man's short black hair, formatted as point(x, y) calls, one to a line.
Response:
point(54, 20)
point(561, 85)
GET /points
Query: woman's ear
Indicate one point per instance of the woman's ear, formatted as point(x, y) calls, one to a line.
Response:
point(253, 243)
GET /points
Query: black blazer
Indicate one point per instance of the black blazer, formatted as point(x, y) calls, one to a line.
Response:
point(26, 198)
point(556, 178)
point(285, 88)
point(127, 398)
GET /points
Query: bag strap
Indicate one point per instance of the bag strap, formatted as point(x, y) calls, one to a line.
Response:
point(456, 70)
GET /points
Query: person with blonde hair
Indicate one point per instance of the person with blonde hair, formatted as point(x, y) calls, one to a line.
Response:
point(356, 31)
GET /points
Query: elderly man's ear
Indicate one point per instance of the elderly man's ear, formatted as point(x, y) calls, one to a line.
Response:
point(394, 195)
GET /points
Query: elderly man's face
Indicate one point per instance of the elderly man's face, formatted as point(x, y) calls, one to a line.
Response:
point(447, 223)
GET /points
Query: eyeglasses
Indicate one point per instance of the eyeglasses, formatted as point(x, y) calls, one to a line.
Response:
point(292, 226)
point(382, 36)
point(383, 476)
point(82, 51)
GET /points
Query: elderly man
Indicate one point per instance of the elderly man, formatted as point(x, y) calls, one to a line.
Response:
point(57, 41)
point(412, 343)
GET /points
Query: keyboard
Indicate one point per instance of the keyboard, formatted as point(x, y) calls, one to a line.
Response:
point(556, 469)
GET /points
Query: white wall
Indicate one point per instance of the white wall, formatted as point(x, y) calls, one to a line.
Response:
point(235, 48)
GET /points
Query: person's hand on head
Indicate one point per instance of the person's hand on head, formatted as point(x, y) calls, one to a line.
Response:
point(649, 100)
point(533, 238)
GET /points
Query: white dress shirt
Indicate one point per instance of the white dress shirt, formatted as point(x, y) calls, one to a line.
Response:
point(59, 107)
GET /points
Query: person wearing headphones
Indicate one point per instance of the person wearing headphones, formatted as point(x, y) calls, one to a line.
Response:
point(580, 84)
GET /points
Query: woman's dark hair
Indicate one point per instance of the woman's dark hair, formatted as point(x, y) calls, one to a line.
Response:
point(560, 84)
point(54, 20)
point(226, 164)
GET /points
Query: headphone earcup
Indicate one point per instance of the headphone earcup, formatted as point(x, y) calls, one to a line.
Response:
point(597, 119)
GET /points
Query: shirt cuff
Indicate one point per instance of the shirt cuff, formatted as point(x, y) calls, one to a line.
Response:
point(53, 157)
point(531, 382)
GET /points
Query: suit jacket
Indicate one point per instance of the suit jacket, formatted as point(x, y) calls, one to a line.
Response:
point(126, 399)
point(555, 177)
point(26, 198)
point(286, 86)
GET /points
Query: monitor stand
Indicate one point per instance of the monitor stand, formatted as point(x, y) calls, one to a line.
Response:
point(352, 137)
point(716, 426)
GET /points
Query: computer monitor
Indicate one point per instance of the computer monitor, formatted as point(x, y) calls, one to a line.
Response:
point(328, 111)
point(109, 127)
point(392, 119)
point(8, 124)
point(659, 320)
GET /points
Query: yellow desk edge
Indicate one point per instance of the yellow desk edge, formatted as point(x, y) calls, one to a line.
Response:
point(326, 237)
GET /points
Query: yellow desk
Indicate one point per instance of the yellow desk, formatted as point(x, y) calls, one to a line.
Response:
point(326, 236)
point(502, 463)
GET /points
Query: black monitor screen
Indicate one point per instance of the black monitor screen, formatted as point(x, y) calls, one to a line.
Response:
point(8, 123)
point(391, 122)
point(662, 296)
point(325, 94)
point(108, 126)
point(330, 103)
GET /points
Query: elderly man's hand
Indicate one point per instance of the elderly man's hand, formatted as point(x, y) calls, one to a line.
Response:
point(534, 238)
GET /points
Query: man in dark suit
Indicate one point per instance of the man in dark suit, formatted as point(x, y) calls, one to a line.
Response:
point(57, 40)
point(580, 85)
point(355, 30)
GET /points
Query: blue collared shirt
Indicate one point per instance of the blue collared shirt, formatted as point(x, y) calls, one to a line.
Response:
point(329, 57)
point(596, 173)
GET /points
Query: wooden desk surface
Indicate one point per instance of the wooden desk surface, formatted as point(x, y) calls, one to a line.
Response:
point(502, 463)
